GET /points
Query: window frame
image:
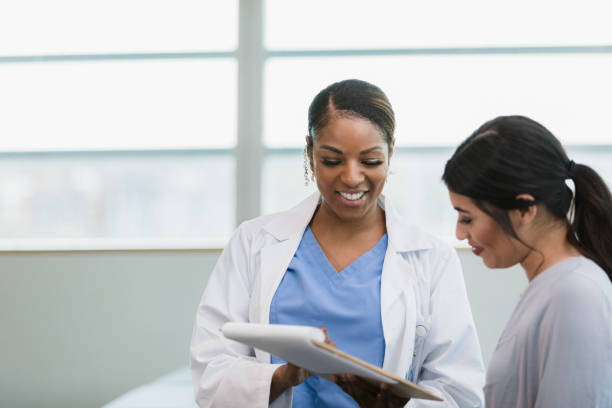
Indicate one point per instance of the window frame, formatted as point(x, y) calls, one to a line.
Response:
point(250, 150)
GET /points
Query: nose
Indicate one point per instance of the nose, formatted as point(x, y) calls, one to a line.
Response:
point(460, 232)
point(352, 174)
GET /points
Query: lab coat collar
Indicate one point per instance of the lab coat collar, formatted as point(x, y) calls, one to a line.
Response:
point(294, 221)
point(402, 236)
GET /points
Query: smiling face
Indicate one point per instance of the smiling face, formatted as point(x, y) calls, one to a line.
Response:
point(487, 239)
point(350, 161)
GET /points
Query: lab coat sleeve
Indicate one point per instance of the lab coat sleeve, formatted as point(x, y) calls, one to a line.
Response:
point(225, 373)
point(452, 365)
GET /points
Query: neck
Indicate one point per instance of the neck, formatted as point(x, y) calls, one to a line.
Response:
point(552, 247)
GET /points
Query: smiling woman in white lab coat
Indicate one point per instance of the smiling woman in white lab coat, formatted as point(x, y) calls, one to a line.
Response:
point(343, 259)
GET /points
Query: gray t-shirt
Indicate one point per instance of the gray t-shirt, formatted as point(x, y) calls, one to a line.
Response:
point(556, 349)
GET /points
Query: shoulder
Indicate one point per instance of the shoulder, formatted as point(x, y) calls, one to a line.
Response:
point(280, 225)
point(406, 237)
point(582, 285)
point(575, 298)
point(429, 258)
point(572, 321)
point(256, 225)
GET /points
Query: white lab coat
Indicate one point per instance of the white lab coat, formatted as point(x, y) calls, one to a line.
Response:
point(426, 318)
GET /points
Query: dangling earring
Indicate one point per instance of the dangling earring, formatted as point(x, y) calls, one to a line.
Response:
point(305, 167)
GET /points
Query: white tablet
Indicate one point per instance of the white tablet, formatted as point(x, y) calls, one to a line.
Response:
point(305, 346)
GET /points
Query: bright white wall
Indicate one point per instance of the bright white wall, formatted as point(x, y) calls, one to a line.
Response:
point(78, 329)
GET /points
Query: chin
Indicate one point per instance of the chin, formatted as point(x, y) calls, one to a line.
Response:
point(498, 265)
point(490, 264)
point(350, 215)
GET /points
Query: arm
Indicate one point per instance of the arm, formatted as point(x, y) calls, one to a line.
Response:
point(225, 373)
point(451, 363)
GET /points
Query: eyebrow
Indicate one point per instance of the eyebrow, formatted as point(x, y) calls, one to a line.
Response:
point(338, 151)
point(461, 210)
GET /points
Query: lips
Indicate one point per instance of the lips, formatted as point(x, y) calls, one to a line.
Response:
point(476, 250)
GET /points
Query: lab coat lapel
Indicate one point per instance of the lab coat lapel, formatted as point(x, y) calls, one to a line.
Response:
point(397, 297)
point(286, 231)
point(397, 312)
point(274, 262)
point(402, 239)
point(396, 277)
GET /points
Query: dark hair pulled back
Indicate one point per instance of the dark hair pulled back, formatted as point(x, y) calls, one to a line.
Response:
point(351, 97)
point(512, 155)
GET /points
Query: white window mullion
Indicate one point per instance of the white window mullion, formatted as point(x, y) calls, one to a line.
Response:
point(249, 150)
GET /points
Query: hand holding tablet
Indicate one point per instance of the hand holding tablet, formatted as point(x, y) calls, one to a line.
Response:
point(305, 346)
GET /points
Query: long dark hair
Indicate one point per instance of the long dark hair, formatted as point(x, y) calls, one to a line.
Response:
point(512, 155)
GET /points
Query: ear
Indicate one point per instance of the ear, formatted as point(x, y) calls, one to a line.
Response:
point(525, 215)
point(391, 146)
point(309, 152)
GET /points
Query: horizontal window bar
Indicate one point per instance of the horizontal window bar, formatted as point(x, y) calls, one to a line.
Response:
point(129, 244)
point(110, 244)
point(442, 149)
point(115, 153)
point(225, 151)
point(596, 49)
point(117, 57)
point(585, 49)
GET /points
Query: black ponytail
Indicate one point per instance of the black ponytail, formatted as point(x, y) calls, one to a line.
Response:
point(591, 231)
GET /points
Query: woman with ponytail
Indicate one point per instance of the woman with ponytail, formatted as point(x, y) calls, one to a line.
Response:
point(520, 199)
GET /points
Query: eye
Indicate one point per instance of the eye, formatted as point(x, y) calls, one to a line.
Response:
point(330, 162)
point(372, 162)
point(465, 220)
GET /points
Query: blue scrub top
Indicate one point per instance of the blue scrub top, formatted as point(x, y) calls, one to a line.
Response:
point(346, 303)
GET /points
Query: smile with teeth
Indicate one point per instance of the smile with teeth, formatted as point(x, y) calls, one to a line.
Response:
point(352, 196)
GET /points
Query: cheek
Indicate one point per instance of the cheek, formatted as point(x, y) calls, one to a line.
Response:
point(504, 251)
point(488, 235)
point(380, 176)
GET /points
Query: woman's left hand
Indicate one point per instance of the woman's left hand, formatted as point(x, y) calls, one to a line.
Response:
point(368, 395)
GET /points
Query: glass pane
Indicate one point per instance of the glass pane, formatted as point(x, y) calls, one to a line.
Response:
point(116, 26)
point(170, 104)
point(440, 100)
point(414, 186)
point(417, 192)
point(150, 195)
point(321, 24)
point(283, 180)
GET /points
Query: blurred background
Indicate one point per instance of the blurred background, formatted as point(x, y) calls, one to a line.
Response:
point(135, 135)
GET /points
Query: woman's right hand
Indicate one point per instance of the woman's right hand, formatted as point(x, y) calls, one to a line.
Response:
point(289, 375)
point(286, 376)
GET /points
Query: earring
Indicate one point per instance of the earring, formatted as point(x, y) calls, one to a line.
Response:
point(305, 167)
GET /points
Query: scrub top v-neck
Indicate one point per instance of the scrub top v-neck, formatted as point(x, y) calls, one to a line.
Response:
point(346, 303)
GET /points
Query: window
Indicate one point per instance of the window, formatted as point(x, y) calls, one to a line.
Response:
point(122, 119)
point(119, 119)
point(447, 67)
